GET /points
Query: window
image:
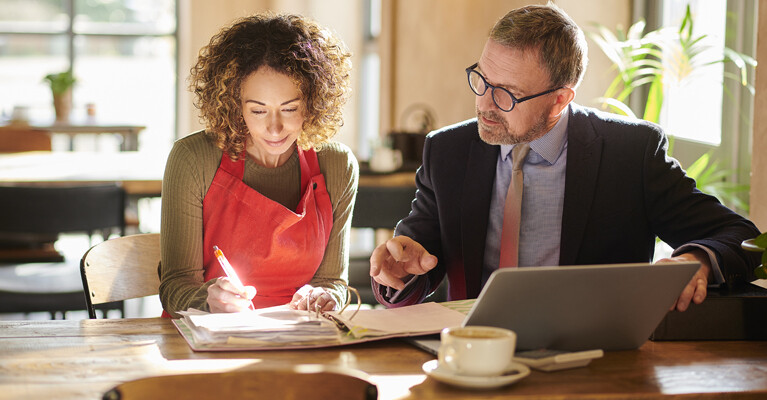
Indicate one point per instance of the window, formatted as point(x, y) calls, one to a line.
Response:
point(700, 93)
point(122, 53)
point(370, 73)
point(712, 113)
point(707, 111)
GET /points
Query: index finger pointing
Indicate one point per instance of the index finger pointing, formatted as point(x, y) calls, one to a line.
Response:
point(377, 259)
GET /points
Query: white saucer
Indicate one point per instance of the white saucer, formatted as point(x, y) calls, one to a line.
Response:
point(515, 372)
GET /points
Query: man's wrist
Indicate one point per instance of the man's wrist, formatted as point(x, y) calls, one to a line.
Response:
point(706, 257)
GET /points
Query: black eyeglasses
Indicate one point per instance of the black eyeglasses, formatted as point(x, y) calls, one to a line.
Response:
point(502, 98)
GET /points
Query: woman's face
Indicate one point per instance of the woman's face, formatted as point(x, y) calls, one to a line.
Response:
point(274, 113)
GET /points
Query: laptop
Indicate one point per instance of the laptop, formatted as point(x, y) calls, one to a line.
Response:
point(571, 308)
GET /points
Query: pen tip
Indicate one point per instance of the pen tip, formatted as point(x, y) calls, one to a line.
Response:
point(215, 247)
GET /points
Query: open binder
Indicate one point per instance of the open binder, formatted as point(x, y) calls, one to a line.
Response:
point(279, 328)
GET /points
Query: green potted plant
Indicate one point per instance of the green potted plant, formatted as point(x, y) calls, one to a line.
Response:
point(758, 244)
point(670, 54)
point(61, 88)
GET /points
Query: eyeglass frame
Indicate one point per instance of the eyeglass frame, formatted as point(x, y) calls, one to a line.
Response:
point(514, 99)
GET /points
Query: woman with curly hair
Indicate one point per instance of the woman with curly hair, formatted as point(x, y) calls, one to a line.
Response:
point(263, 181)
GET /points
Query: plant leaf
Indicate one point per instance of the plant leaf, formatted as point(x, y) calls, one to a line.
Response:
point(761, 271)
point(654, 100)
point(697, 167)
point(635, 30)
point(761, 240)
point(618, 106)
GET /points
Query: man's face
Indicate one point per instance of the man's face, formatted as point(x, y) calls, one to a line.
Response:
point(520, 73)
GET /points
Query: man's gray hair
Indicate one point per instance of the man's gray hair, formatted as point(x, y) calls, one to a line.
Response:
point(562, 44)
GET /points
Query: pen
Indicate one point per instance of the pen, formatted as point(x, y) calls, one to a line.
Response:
point(229, 271)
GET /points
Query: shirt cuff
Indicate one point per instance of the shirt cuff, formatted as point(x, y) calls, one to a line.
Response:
point(394, 295)
point(716, 271)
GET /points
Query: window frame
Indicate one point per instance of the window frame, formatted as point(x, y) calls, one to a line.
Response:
point(71, 38)
point(734, 150)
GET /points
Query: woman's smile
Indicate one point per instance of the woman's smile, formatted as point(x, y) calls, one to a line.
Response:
point(276, 143)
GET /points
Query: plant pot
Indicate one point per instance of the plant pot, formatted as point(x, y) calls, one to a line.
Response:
point(62, 104)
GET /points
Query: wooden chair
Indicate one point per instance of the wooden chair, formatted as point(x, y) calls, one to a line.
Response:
point(14, 139)
point(44, 209)
point(377, 208)
point(120, 269)
point(380, 207)
point(35, 275)
point(300, 382)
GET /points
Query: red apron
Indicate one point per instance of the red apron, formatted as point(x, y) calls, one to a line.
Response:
point(270, 247)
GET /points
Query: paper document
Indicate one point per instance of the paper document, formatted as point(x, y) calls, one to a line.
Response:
point(283, 328)
point(416, 319)
point(269, 325)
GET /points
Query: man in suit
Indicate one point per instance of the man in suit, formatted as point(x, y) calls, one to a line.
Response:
point(598, 188)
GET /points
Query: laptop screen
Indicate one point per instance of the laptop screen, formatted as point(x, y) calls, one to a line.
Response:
point(609, 307)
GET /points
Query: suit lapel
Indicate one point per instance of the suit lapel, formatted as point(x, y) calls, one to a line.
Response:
point(584, 149)
point(475, 205)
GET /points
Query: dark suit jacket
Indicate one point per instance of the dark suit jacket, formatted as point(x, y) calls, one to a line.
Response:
point(621, 191)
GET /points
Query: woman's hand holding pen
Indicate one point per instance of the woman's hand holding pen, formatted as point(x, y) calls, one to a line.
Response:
point(224, 296)
point(312, 298)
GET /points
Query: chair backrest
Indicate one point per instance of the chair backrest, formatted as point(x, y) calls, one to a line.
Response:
point(14, 139)
point(381, 207)
point(37, 209)
point(120, 269)
point(300, 382)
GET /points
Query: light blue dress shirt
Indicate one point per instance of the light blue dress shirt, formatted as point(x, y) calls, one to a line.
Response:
point(542, 201)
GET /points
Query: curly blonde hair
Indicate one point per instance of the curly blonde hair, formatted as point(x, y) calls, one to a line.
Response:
point(311, 56)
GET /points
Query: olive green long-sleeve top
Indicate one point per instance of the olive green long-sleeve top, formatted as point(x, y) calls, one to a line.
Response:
point(190, 169)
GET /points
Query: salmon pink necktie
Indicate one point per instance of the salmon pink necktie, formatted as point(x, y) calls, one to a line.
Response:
point(512, 209)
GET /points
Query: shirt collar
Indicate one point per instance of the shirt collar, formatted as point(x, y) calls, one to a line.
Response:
point(550, 145)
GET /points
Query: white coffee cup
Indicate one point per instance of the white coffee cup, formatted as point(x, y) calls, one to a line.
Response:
point(20, 114)
point(385, 159)
point(477, 350)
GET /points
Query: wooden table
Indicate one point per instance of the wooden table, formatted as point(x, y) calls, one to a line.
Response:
point(128, 132)
point(82, 359)
point(139, 173)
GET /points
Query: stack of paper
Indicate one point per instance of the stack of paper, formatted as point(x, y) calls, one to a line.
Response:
point(275, 325)
point(283, 328)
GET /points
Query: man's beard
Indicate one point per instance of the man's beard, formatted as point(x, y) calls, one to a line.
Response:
point(499, 135)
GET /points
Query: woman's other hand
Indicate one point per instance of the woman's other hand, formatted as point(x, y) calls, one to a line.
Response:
point(312, 299)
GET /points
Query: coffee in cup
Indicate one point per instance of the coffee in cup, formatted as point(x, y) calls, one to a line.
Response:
point(477, 350)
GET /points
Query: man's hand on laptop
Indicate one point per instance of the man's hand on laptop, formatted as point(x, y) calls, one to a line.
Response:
point(695, 291)
point(399, 257)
